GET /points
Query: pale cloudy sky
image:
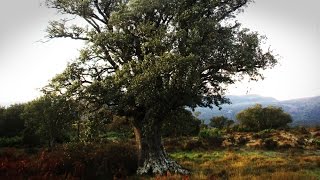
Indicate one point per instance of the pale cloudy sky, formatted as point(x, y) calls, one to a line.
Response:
point(292, 28)
point(293, 32)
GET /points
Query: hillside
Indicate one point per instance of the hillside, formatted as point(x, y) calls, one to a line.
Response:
point(304, 111)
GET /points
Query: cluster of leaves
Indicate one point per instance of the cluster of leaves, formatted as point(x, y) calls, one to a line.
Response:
point(49, 118)
point(71, 161)
point(10, 141)
point(211, 136)
point(11, 122)
point(54, 119)
point(181, 123)
point(258, 118)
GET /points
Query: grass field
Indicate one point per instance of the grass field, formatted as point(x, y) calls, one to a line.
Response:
point(248, 164)
point(294, 156)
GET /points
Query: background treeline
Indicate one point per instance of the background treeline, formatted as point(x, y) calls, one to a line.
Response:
point(52, 119)
point(59, 138)
point(305, 111)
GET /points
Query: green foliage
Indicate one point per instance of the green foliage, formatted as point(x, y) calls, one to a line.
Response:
point(32, 138)
point(257, 118)
point(120, 129)
point(263, 134)
point(10, 141)
point(148, 59)
point(11, 123)
point(220, 122)
point(50, 118)
point(209, 133)
point(181, 123)
point(153, 57)
point(317, 142)
point(211, 136)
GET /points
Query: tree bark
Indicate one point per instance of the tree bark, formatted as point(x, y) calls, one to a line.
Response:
point(152, 157)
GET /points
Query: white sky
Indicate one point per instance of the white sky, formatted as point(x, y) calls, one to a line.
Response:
point(293, 32)
point(292, 28)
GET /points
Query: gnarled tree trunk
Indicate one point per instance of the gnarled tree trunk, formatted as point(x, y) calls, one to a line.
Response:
point(152, 156)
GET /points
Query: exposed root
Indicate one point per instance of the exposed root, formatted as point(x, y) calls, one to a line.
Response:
point(161, 164)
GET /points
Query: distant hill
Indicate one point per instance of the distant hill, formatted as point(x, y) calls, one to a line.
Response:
point(304, 111)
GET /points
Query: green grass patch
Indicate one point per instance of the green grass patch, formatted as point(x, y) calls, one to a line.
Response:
point(314, 172)
point(197, 155)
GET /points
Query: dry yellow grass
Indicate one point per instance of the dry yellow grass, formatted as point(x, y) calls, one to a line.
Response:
point(248, 165)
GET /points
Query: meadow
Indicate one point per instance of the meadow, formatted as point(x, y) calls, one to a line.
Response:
point(205, 158)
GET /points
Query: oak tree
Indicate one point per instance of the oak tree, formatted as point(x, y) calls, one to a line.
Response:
point(145, 59)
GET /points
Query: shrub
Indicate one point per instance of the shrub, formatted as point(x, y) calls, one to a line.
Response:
point(30, 138)
point(11, 123)
point(270, 144)
point(192, 145)
point(10, 141)
point(257, 118)
point(102, 161)
point(211, 135)
point(220, 122)
point(317, 143)
point(71, 161)
point(263, 134)
point(301, 130)
point(238, 128)
point(242, 140)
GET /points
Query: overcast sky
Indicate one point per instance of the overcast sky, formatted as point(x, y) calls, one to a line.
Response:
point(292, 28)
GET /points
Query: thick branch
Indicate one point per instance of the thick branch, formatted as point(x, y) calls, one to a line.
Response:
point(105, 18)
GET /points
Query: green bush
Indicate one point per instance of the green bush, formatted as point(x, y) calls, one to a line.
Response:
point(192, 144)
point(238, 128)
point(10, 141)
point(317, 142)
point(258, 118)
point(101, 161)
point(11, 123)
point(209, 133)
point(263, 134)
point(220, 122)
point(212, 136)
point(30, 138)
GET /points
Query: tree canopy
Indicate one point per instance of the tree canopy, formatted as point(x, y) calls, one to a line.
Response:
point(11, 123)
point(144, 59)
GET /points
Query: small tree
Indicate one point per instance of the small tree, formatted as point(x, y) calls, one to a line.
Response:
point(220, 122)
point(49, 117)
point(257, 118)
